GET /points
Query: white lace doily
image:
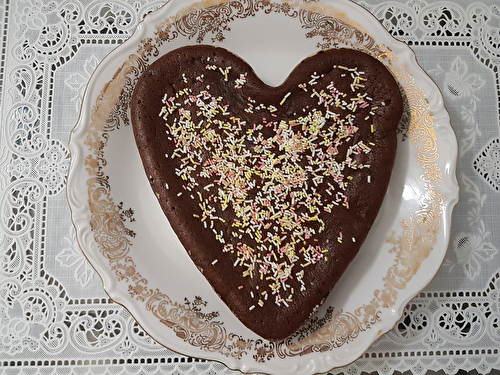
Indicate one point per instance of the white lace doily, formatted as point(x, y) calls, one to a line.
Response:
point(54, 314)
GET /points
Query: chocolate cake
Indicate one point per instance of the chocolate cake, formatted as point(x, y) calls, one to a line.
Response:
point(271, 190)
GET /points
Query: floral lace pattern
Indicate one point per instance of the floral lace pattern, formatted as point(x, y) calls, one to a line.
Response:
point(51, 305)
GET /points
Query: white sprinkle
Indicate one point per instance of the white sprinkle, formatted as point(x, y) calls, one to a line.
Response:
point(251, 307)
point(285, 97)
point(215, 261)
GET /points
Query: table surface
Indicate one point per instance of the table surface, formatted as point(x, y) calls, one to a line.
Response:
point(53, 310)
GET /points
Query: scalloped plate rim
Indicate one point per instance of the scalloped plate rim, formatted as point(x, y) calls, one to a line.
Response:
point(109, 281)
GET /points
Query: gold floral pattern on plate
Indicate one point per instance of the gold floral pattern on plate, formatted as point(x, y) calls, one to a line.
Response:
point(192, 321)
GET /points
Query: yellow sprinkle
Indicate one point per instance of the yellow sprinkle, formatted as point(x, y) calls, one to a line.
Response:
point(284, 98)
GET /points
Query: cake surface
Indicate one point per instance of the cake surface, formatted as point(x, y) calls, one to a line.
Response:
point(271, 190)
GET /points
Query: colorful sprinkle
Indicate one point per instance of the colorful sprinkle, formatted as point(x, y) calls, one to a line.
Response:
point(272, 186)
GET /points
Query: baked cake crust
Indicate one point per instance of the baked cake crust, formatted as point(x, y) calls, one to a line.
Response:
point(271, 190)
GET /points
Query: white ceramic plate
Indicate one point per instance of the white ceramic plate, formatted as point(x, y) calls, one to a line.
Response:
point(124, 234)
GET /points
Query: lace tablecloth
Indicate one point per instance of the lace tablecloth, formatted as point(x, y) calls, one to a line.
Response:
point(54, 314)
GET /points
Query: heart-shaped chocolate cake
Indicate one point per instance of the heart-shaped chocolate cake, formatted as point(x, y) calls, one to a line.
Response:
point(271, 190)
